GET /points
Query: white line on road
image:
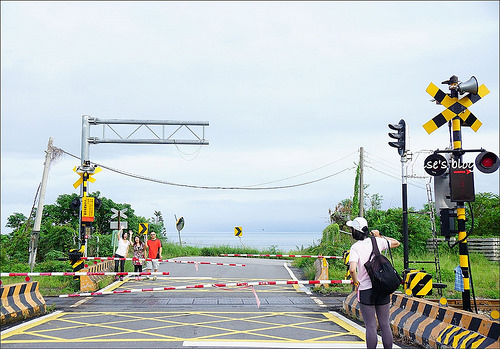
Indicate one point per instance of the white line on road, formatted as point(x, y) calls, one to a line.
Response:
point(258, 344)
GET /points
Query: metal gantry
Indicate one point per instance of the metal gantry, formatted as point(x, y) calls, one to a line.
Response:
point(86, 169)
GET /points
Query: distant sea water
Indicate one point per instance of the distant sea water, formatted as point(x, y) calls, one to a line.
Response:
point(282, 241)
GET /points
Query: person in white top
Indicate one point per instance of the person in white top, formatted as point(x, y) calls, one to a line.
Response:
point(369, 303)
point(122, 250)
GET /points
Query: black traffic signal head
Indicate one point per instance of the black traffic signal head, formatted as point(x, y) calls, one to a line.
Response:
point(487, 162)
point(400, 136)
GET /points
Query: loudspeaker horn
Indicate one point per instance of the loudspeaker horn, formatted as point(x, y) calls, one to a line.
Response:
point(468, 86)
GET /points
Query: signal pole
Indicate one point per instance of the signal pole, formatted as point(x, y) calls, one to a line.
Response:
point(400, 136)
point(460, 174)
point(463, 248)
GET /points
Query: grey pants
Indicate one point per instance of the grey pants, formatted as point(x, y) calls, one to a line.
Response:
point(382, 311)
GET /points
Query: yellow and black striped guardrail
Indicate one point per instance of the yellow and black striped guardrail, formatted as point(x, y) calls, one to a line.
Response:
point(434, 325)
point(21, 301)
point(90, 283)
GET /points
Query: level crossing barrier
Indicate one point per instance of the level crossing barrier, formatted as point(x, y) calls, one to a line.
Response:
point(227, 285)
point(162, 260)
point(278, 255)
point(87, 273)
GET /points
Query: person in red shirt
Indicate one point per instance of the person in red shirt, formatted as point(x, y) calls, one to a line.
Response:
point(154, 250)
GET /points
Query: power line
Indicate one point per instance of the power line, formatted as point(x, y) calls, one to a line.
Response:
point(304, 173)
point(216, 187)
point(398, 178)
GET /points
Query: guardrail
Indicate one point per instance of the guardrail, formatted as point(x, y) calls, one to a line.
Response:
point(489, 247)
point(21, 301)
point(432, 325)
point(91, 282)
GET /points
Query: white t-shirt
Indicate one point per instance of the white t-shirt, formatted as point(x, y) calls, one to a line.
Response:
point(122, 247)
point(359, 253)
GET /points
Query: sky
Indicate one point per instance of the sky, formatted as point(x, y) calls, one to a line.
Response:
point(291, 91)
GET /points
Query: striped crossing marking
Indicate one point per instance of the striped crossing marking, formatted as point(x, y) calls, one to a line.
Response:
point(232, 284)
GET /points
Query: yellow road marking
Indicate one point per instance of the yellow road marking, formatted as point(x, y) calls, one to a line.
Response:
point(224, 325)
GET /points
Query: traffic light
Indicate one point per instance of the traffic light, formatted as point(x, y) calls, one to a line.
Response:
point(400, 136)
point(487, 162)
point(75, 204)
point(448, 223)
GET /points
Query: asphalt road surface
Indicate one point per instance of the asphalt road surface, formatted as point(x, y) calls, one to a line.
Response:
point(271, 316)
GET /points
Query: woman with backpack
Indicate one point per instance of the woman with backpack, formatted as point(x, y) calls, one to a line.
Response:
point(370, 302)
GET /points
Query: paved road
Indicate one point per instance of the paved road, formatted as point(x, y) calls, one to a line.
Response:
point(279, 316)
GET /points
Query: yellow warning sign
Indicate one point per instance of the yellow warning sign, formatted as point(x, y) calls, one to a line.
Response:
point(87, 209)
point(238, 231)
point(143, 228)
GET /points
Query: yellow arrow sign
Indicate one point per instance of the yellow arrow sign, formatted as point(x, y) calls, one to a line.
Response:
point(238, 231)
point(143, 228)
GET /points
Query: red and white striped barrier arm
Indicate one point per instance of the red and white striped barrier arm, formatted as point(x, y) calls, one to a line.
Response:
point(159, 260)
point(233, 284)
point(82, 273)
point(279, 255)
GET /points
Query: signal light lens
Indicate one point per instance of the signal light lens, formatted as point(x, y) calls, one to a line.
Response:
point(487, 162)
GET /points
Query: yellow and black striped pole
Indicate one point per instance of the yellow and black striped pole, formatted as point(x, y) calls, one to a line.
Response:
point(85, 177)
point(462, 234)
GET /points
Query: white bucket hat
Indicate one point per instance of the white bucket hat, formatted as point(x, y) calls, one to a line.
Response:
point(358, 223)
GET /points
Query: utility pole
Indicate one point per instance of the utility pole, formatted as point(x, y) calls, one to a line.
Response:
point(35, 233)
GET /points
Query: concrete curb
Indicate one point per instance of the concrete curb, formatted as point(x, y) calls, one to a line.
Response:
point(21, 301)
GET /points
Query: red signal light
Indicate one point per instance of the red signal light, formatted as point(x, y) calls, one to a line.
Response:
point(487, 162)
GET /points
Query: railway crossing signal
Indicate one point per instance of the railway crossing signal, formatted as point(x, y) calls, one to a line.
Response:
point(454, 106)
point(85, 175)
point(461, 180)
point(487, 162)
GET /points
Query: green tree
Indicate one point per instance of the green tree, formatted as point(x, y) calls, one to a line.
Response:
point(486, 214)
point(16, 220)
point(59, 231)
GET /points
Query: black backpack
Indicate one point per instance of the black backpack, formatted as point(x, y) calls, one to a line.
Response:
point(385, 279)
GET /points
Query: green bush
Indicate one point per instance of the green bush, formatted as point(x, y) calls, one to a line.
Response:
point(15, 267)
point(52, 266)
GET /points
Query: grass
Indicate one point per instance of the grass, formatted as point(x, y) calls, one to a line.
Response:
point(485, 274)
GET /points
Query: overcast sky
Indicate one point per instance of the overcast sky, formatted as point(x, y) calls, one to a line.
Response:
point(291, 90)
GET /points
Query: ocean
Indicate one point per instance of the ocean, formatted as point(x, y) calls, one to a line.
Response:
point(282, 241)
